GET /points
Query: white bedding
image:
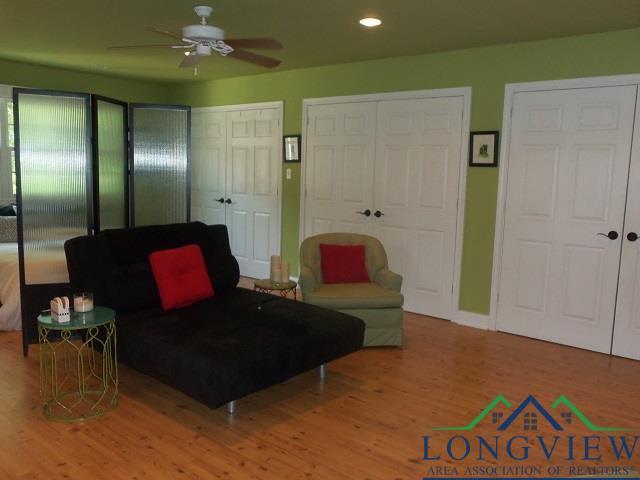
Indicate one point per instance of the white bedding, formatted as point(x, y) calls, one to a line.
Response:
point(47, 268)
point(9, 287)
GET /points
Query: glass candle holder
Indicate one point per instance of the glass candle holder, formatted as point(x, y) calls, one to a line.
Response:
point(83, 302)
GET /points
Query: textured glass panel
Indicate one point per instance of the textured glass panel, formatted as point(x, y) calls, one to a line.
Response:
point(53, 161)
point(112, 165)
point(160, 161)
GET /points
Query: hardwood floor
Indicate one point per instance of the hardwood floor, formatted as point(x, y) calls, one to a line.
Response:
point(366, 421)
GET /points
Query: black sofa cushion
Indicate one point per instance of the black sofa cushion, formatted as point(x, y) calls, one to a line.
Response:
point(230, 346)
point(114, 264)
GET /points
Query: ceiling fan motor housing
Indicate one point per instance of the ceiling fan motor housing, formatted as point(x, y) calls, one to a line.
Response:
point(203, 33)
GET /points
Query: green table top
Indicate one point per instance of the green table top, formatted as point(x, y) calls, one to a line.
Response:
point(269, 285)
point(79, 321)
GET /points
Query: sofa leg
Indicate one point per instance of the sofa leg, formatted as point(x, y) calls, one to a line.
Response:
point(322, 371)
point(231, 407)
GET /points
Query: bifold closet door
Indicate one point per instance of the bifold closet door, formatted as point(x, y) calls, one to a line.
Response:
point(565, 201)
point(254, 159)
point(110, 164)
point(208, 166)
point(160, 157)
point(391, 169)
point(341, 142)
point(236, 171)
point(626, 330)
point(417, 174)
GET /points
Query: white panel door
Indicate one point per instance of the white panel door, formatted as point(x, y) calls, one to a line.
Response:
point(417, 172)
point(252, 180)
point(626, 330)
point(567, 182)
point(339, 167)
point(208, 166)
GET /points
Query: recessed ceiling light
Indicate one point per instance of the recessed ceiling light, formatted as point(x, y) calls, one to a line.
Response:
point(370, 22)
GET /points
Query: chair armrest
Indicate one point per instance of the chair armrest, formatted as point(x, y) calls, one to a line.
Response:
point(388, 279)
point(307, 280)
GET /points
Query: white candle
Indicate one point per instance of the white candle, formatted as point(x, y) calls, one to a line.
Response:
point(284, 272)
point(275, 268)
point(276, 274)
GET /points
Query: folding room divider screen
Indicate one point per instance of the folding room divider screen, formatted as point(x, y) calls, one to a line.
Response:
point(79, 168)
point(161, 164)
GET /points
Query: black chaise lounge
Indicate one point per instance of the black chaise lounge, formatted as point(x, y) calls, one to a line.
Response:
point(220, 349)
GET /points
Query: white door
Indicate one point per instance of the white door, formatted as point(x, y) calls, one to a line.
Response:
point(567, 182)
point(208, 166)
point(626, 330)
point(340, 147)
point(417, 172)
point(254, 148)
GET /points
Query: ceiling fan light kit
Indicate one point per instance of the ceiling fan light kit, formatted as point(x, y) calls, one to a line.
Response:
point(202, 39)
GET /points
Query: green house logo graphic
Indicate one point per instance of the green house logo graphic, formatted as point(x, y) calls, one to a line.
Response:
point(531, 418)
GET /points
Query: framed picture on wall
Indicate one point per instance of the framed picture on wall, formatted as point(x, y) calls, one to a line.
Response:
point(292, 144)
point(483, 149)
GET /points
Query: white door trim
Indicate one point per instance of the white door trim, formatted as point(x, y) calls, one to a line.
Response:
point(503, 165)
point(465, 93)
point(261, 106)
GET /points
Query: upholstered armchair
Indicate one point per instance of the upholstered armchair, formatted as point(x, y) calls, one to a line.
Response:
point(378, 304)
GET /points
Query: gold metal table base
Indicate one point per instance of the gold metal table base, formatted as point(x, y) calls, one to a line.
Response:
point(78, 376)
point(284, 292)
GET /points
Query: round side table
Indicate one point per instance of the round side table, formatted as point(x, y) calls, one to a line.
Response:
point(267, 286)
point(78, 369)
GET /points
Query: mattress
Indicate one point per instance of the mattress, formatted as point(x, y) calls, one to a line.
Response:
point(48, 268)
point(9, 287)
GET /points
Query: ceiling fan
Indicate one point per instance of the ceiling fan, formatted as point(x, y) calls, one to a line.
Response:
point(202, 40)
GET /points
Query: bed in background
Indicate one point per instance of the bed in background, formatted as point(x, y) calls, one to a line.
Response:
point(49, 267)
point(9, 287)
point(9, 271)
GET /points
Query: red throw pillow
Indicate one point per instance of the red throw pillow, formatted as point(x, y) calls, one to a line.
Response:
point(343, 264)
point(181, 276)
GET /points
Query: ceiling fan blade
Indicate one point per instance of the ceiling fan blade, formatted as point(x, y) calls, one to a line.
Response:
point(165, 32)
point(190, 61)
point(254, 58)
point(260, 43)
point(166, 45)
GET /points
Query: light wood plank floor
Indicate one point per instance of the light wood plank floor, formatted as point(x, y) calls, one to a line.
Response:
point(365, 422)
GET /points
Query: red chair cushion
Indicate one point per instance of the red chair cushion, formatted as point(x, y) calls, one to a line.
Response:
point(343, 263)
point(181, 276)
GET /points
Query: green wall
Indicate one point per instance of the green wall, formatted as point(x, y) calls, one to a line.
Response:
point(50, 78)
point(486, 70)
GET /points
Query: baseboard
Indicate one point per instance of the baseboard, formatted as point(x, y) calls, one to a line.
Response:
point(471, 319)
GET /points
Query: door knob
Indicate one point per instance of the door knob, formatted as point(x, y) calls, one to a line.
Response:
point(366, 213)
point(612, 235)
point(378, 214)
point(228, 201)
point(220, 200)
point(632, 236)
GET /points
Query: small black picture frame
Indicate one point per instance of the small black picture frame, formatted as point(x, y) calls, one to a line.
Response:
point(291, 148)
point(483, 148)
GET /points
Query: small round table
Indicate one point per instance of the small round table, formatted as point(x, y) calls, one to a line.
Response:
point(267, 286)
point(78, 369)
